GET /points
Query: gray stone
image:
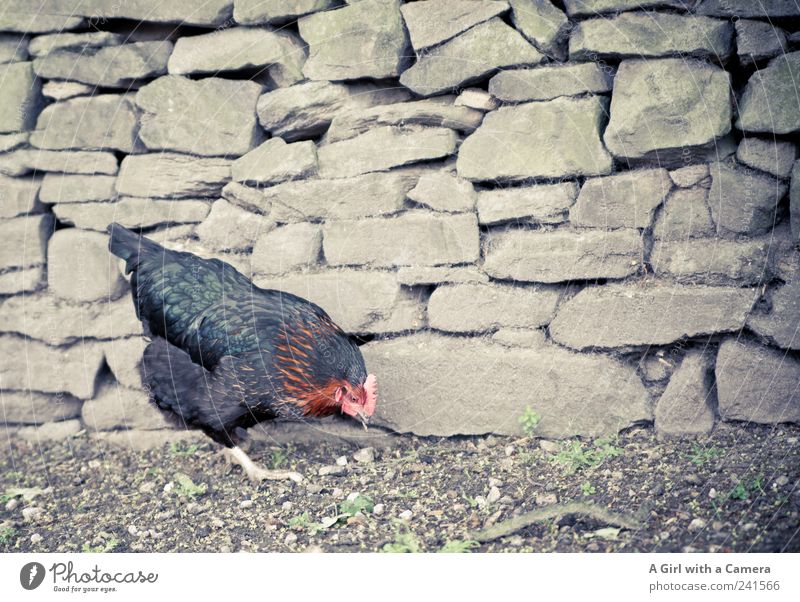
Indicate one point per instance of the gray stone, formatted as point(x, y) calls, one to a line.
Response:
point(59, 90)
point(276, 161)
point(483, 307)
point(105, 122)
point(306, 110)
point(756, 383)
point(19, 196)
point(757, 41)
point(79, 42)
point(13, 141)
point(26, 280)
point(544, 25)
point(686, 406)
point(50, 431)
point(23, 240)
point(434, 112)
point(30, 365)
point(20, 97)
point(80, 267)
point(550, 139)
point(660, 107)
point(744, 9)
point(626, 315)
point(168, 175)
point(172, 103)
point(562, 255)
point(33, 22)
point(362, 196)
point(743, 201)
point(444, 191)
point(651, 35)
point(184, 12)
point(246, 197)
point(124, 357)
point(287, 248)
point(475, 98)
point(413, 238)
point(591, 8)
point(519, 337)
point(435, 21)
point(240, 48)
point(13, 48)
point(714, 260)
point(28, 407)
point(691, 175)
point(542, 203)
point(685, 215)
point(429, 275)
point(775, 157)
point(550, 81)
point(253, 12)
point(429, 384)
point(231, 227)
point(780, 325)
point(366, 39)
point(358, 301)
point(794, 202)
point(24, 161)
point(113, 67)
point(384, 147)
point(470, 57)
point(626, 200)
point(132, 212)
point(115, 407)
point(71, 188)
point(769, 103)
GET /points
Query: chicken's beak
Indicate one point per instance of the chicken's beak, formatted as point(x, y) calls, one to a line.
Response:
point(364, 418)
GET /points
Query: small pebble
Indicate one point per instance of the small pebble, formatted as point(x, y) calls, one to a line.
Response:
point(593, 547)
point(506, 500)
point(332, 470)
point(286, 506)
point(516, 540)
point(697, 524)
point(495, 482)
point(290, 539)
point(378, 509)
point(545, 499)
point(717, 526)
point(94, 464)
point(364, 480)
point(147, 487)
point(365, 455)
point(352, 496)
point(132, 530)
point(782, 480)
point(712, 493)
point(510, 449)
point(245, 504)
point(313, 488)
point(341, 461)
point(217, 523)
point(493, 496)
point(36, 538)
point(169, 487)
point(194, 508)
point(225, 549)
point(12, 504)
point(749, 526)
point(480, 501)
point(692, 479)
point(338, 492)
point(551, 447)
point(406, 515)
point(32, 513)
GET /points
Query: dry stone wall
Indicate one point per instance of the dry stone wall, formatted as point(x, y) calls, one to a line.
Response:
point(586, 207)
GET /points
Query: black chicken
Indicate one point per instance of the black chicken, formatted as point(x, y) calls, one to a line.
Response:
point(225, 353)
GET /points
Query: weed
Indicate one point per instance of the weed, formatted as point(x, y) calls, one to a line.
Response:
point(701, 455)
point(404, 543)
point(361, 503)
point(181, 448)
point(107, 547)
point(529, 421)
point(587, 489)
point(187, 487)
point(278, 459)
point(458, 546)
point(6, 535)
point(303, 523)
point(574, 456)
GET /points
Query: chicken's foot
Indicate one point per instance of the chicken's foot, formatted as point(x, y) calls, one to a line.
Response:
point(255, 472)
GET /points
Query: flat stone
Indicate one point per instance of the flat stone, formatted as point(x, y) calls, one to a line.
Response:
point(575, 394)
point(413, 238)
point(80, 267)
point(168, 175)
point(19, 196)
point(24, 161)
point(349, 198)
point(438, 112)
point(591, 8)
point(290, 247)
point(59, 90)
point(757, 41)
point(306, 110)
point(35, 22)
point(50, 431)
point(775, 157)
point(23, 240)
point(483, 307)
point(475, 98)
point(80, 42)
point(794, 202)
point(374, 301)
point(240, 48)
point(384, 147)
point(444, 191)
point(544, 25)
point(780, 325)
point(470, 57)
point(104, 122)
point(686, 406)
point(276, 161)
point(13, 48)
point(626, 200)
point(132, 212)
point(744, 9)
point(436, 21)
point(172, 103)
point(429, 275)
point(30, 365)
point(20, 97)
point(246, 197)
point(743, 201)
point(112, 67)
point(28, 407)
point(562, 255)
point(185, 12)
point(691, 175)
point(230, 227)
point(651, 35)
point(551, 81)
point(685, 215)
point(550, 139)
point(13, 141)
point(627, 315)
point(660, 107)
point(365, 39)
point(756, 383)
point(124, 358)
point(520, 337)
point(772, 87)
point(256, 12)
point(71, 188)
point(542, 203)
point(115, 408)
point(27, 280)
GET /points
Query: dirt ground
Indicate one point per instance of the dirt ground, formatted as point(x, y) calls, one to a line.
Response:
point(737, 490)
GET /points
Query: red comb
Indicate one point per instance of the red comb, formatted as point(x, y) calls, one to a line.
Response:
point(371, 388)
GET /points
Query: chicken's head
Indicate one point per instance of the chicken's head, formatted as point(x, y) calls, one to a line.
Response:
point(358, 401)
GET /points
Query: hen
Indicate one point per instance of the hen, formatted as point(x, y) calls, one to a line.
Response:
point(225, 353)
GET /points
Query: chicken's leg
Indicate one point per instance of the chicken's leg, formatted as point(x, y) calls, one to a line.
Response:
point(255, 472)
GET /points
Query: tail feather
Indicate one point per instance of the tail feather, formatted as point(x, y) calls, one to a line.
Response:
point(130, 246)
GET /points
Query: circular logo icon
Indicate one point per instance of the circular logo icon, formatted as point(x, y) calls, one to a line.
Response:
point(31, 575)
